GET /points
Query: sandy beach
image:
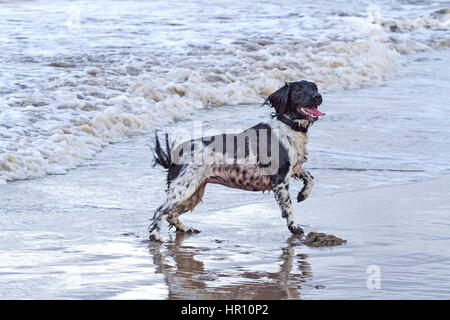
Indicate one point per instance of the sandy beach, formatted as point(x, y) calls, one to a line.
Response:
point(84, 85)
point(83, 235)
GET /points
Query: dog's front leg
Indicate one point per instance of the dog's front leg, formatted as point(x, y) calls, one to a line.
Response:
point(308, 181)
point(287, 211)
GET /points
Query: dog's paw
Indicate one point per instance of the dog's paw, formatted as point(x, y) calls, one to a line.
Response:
point(300, 197)
point(188, 230)
point(297, 230)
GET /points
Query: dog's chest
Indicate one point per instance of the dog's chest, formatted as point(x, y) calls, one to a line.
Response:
point(295, 144)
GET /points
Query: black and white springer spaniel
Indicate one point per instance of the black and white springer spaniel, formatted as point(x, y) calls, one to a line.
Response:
point(260, 158)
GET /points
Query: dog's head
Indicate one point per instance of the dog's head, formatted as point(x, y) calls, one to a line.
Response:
point(297, 100)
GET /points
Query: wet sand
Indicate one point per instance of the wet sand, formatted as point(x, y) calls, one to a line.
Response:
point(84, 235)
point(401, 230)
point(380, 157)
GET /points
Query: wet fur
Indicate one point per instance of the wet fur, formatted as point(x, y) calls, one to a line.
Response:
point(200, 162)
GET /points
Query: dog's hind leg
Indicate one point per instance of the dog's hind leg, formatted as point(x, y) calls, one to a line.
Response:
point(156, 224)
point(180, 191)
point(189, 204)
point(283, 198)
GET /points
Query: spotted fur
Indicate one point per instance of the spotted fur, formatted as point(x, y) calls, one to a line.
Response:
point(264, 157)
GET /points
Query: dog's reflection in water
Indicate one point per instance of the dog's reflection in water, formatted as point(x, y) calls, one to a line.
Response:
point(188, 278)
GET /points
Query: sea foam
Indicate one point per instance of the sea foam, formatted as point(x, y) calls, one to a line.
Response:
point(77, 112)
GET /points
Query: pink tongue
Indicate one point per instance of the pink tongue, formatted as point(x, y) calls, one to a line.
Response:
point(314, 112)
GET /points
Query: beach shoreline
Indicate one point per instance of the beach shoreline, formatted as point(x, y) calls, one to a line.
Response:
point(83, 89)
point(84, 235)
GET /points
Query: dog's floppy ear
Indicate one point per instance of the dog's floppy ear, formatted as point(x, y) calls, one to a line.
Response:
point(280, 98)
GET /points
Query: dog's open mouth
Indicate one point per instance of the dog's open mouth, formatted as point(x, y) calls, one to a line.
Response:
point(311, 113)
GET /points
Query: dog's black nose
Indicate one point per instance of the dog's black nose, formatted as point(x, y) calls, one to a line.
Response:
point(317, 98)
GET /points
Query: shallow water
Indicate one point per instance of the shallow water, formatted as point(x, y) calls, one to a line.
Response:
point(82, 233)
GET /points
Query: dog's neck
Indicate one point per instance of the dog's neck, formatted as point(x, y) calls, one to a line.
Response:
point(294, 125)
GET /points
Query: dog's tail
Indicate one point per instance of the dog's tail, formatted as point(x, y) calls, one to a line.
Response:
point(162, 158)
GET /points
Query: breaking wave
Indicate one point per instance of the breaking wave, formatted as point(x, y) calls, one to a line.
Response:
point(55, 123)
